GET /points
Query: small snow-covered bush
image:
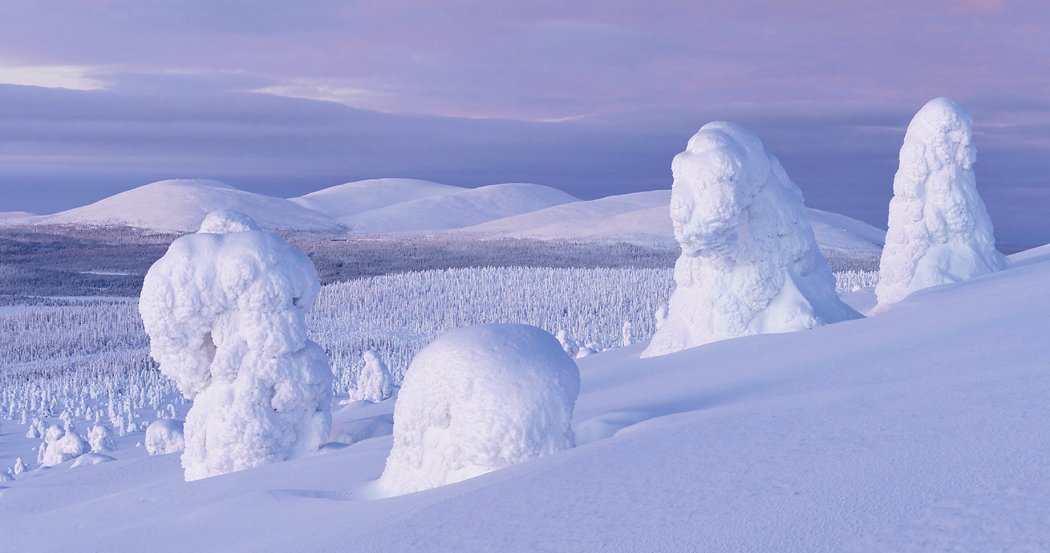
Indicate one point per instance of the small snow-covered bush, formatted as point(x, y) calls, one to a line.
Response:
point(750, 262)
point(165, 436)
point(61, 445)
point(225, 315)
point(374, 383)
point(939, 229)
point(100, 437)
point(478, 399)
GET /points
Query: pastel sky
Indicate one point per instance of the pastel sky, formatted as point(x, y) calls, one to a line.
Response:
point(594, 97)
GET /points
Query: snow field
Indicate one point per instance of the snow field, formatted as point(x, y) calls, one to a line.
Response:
point(96, 354)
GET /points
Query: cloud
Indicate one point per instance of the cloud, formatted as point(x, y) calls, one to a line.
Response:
point(62, 148)
point(50, 76)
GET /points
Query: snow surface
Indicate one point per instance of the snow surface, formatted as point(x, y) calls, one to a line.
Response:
point(479, 399)
point(180, 205)
point(225, 316)
point(750, 262)
point(922, 429)
point(465, 208)
point(939, 230)
point(357, 197)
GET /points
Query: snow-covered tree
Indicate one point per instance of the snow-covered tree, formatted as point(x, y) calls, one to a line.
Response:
point(374, 383)
point(939, 230)
point(224, 310)
point(750, 263)
point(478, 399)
point(100, 438)
point(61, 445)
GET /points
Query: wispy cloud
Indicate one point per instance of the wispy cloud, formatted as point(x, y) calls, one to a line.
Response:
point(51, 76)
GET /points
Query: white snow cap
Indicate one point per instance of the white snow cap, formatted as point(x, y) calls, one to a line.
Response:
point(478, 399)
point(223, 221)
point(164, 436)
point(939, 230)
point(750, 263)
point(224, 310)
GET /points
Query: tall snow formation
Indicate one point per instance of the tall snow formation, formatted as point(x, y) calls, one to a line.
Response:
point(478, 399)
point(61, 445)
point(224, 311)
point(939, 230)
point(750, 262)
point(374, 383)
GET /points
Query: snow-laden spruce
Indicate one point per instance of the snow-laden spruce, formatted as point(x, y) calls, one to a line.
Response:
point(478, 399)
point(224, 310)
point(750, 262)
point(939, 230)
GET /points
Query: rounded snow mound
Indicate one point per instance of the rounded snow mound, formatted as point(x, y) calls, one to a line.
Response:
point(939, 229)
point(750, 263)
point(478, 399)
point(180, 205)
point(91, 459)
point(164, 436)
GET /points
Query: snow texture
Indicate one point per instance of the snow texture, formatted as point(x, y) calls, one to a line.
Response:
point(165, 436)
point(750, 262)
point(374, 383)
point(478, 399)
point(225, 316)
point(939, 230)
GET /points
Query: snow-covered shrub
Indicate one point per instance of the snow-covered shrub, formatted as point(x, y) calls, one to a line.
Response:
point(225, 317)
point(165, 436)
point(374, 383)
point(478, 399)
point(100, 437)
point(61, 445)
point(750, 263)
point(939, 230)
point(20, 466)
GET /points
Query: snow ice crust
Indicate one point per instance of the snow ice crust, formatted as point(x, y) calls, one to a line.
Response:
point(750, 262)
point(225, 311)
point(939, 230)
point(478, 399)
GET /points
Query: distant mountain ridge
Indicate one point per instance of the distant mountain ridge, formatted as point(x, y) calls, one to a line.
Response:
point(394, 205)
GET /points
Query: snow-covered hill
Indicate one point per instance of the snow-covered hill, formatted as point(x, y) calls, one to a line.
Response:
point(357, 197)
point(465, 208)
point(643, 217)
point(180, 205)
point(921, 429)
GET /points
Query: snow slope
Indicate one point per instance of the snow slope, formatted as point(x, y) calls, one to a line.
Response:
point(180, 205)
point(921, 429)
point(644, 217)
point(465, 208)
point(357, 197)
